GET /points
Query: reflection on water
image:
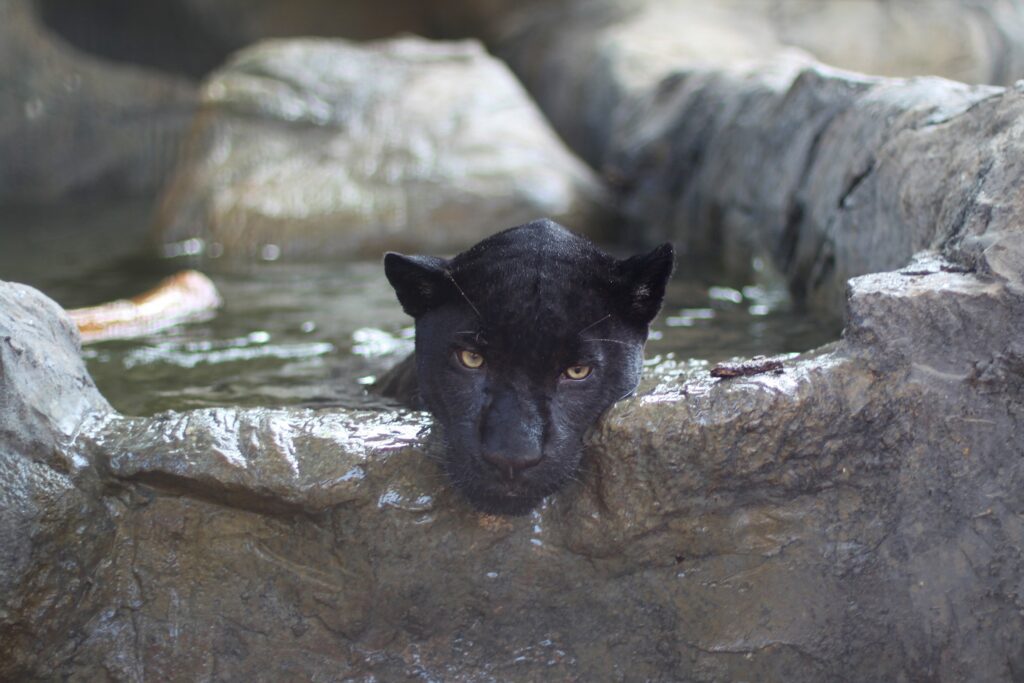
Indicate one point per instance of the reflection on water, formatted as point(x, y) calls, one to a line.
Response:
point(309, 335)
point(703, 319)
point(189, 354)
point(315, 334)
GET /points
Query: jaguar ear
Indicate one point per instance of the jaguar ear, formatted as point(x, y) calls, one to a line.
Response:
point(644, 278)
point(419, 281)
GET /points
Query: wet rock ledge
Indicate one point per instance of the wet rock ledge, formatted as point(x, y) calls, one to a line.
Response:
point(857, 513)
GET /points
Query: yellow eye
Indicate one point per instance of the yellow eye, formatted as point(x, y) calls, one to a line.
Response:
point(577, 371)
point(470, 359)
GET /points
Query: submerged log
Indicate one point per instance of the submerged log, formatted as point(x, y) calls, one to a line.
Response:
point(184, 297)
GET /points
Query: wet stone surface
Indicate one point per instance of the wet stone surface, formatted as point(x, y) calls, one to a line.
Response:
point(794, 526)
point(54, 526)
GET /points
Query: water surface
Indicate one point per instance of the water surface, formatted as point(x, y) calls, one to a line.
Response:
point(315, 334)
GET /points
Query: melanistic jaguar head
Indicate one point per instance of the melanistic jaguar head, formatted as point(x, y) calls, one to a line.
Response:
point(522, 342)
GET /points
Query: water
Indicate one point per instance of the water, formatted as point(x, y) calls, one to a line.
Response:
point(315, 334)
point(705, 319)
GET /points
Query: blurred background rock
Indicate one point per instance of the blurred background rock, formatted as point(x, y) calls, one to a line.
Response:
point(96, 98)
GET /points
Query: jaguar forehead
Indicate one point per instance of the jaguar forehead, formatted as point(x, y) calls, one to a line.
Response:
point(544, 336)
point(594, 324)
point(536, 301)
point(462, 292)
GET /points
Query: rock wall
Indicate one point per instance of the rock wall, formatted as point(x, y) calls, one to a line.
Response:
point(736, 147)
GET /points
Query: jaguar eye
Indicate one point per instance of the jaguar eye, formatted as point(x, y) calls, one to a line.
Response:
point(470, 359)
point(578, 371)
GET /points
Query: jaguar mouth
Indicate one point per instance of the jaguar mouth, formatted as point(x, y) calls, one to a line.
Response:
point(503, 503)
point(496, 494)
point(492, 491)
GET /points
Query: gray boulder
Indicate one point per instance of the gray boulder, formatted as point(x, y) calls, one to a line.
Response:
point(865, 171)
point(315, 148)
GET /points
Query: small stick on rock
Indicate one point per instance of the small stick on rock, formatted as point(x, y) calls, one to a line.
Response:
point(758, 365)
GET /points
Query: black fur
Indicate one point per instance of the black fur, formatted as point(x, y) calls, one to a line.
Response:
point(533, 301)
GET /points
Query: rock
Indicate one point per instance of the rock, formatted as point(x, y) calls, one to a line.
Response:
point(47, 391)
point(298, 153)
point(70, 123)
point(54, 527)
point(266, 460)
point(583, 60)
point(963, 41)
point(854, 516)
point(825, 174)
point(850, 196)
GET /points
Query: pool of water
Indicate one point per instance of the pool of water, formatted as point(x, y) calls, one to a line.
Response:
point(315, 334)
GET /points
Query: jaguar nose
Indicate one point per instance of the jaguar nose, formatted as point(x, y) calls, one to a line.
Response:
point(510, 465)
